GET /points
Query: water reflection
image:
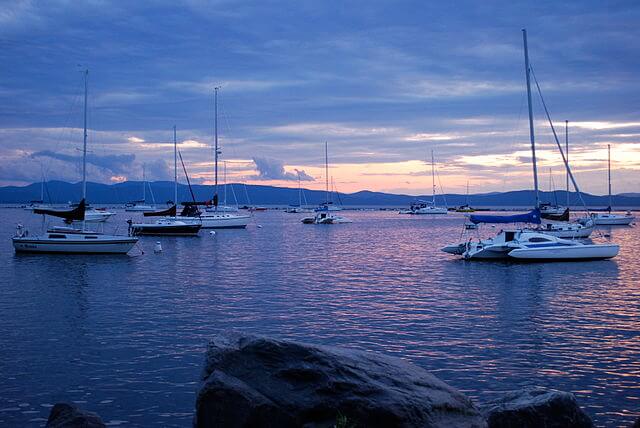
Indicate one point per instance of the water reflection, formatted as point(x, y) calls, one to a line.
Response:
point(121, 333)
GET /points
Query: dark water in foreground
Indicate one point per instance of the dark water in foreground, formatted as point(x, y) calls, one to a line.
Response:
point(125, 336)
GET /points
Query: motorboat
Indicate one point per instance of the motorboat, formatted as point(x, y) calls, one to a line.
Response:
point(326, 217)
point(164, 227)
point(529, 245)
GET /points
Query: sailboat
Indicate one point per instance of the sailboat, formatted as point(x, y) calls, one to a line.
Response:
point(427, 207)
point(225, 208)
point(168, 224)
point(69, 239)
point(300, 208)
point(608, 218)
point(324, 214)
point(466, 208)
point(523, 243)
point(215, 218)
point(140, 205)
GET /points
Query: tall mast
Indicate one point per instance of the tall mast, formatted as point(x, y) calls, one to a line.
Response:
point(144, 184)
point(566, 150)
point(326, 170)
point(299, 190)
point(215, 131)
point(433, 179)
point(175, 168)
point(531, 133)
point(84, 139)
point(609, 168)
point(224, 177)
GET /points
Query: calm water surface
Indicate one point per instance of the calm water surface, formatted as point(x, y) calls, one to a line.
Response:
point(125, 336)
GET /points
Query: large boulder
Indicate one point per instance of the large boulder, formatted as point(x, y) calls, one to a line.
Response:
point(252, 381)
point(536, 407)
point(64, 415)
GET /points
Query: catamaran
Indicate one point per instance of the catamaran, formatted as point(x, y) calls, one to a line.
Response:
point(609, 218)
point(427, 207)
point(69, 239)
point(324, 214)
point(523, 243)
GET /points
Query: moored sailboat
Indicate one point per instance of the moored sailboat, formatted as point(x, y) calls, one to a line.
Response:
point(68, 239)
point(427, 207)
point(524, 243)
point(609, 218)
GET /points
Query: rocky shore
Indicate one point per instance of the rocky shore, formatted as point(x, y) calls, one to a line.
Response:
point(254, 381)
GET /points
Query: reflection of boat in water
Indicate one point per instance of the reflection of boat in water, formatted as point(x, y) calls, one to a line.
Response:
point(525, 243)
point(427, 207)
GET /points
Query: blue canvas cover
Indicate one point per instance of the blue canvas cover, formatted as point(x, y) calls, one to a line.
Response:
point(530, 217)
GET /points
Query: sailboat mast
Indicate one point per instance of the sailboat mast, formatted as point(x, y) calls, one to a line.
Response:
point(609, 174)
point(215, 193)
point(144, 184)
point(326, 170)
point(566, 150)
point(531, 133)
point(433, 179)
point(84, 139)
point(175, 167)
point(299, 190)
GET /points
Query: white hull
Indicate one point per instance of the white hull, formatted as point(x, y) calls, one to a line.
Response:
point(572, 252)
point(326, 218)
point(74, 244)
point(140, 208)
point(567, 230)
point(96, 216)
point(613, 219)
point(427, 210)
point(219, 220)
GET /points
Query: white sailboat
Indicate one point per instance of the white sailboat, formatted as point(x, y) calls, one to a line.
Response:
point(609, 218)
point(527, 244)
point(67, 239)
point(300, 208)
point(225, 208)
point(214, 218)
point(140, 205)
point(427, 207)
point(324, 214)
point(169, 225)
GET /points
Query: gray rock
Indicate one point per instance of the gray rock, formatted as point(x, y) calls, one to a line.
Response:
point(64, 415)
point(251, 381)
point(536, 407)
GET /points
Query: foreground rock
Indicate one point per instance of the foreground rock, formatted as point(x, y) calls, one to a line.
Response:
point(536, 407)
point(65, 415)
point(251, 381)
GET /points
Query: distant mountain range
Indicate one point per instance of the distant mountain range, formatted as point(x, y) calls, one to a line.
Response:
point(120, 193)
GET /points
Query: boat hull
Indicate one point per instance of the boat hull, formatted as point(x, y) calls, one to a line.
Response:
point(165, 230)
point(564, 253)
point(613, 220)
point(35, 245)
point(219, 221)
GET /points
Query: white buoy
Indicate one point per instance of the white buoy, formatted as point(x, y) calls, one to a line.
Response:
point(157, 248)
point(259, 226)
point(213, 232)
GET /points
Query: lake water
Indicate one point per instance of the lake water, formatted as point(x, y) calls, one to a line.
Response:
point(125, 336)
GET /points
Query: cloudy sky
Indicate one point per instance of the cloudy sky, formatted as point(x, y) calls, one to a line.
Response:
point(383, 82)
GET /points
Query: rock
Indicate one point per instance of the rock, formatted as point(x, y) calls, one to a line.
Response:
point(64, 415)
point(536, 407)
point(252, 381)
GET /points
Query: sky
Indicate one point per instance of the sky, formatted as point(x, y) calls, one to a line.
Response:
point(384, 83)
